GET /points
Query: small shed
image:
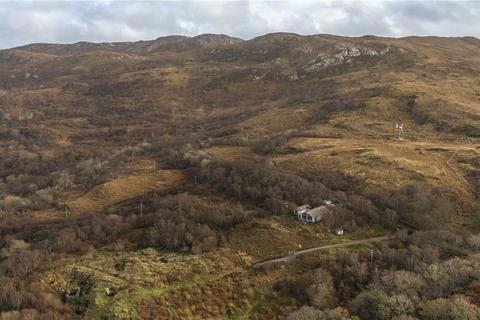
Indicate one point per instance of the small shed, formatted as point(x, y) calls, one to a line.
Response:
point(328, 203)
point(338, 231)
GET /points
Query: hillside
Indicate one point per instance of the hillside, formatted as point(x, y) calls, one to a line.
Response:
point(164, 169)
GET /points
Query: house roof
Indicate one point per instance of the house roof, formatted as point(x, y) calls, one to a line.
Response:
point(304, 207)
point(319, 212)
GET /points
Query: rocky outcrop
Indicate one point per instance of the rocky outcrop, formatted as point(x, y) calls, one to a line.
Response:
point(344, 55)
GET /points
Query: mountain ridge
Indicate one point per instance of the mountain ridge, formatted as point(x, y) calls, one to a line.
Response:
point(215, 38)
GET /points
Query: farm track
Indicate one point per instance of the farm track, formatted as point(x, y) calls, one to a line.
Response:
point(291, 257)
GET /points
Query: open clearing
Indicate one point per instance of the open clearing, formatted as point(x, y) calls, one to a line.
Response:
point(123, 188)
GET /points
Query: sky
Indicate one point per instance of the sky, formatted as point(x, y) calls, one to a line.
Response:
point(23, 22)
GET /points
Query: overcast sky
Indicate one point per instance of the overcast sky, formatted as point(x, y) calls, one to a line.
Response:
point(23, 22)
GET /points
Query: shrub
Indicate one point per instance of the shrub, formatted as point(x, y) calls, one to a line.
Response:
point(15, 203)
point(454, 308)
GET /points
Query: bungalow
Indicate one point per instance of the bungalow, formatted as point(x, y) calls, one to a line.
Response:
point(313, 215)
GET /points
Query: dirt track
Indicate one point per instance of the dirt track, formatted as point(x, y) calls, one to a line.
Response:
point(290, 257)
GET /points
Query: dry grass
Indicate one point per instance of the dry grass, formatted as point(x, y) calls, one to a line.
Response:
point(123, 188)
point(226, 152)
point(274, 120)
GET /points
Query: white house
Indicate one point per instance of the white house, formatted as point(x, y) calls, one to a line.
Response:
point(312, 215)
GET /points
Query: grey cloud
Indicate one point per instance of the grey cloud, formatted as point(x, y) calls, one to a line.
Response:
point(68, 21)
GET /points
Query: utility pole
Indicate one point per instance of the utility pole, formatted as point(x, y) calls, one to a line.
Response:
point(399, 127)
